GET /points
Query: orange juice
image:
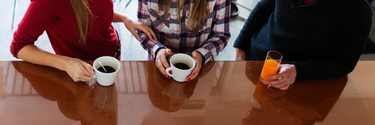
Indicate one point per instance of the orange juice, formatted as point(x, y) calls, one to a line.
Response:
point(269, 68)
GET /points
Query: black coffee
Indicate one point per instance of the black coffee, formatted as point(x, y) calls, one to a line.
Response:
point(108, 68)
point(181, 66)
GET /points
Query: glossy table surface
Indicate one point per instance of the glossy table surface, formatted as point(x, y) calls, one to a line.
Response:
point(222, 95)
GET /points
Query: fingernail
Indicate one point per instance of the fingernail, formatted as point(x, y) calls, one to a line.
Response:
point(170, 71)
point(166, 76)
point(188, 80)
point(193, 73)
point(169, 77)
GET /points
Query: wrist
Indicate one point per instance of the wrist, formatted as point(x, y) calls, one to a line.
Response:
point(120, 17)
point(201, 57)
point(125, 18)
point(63, 62)
point(156, 52)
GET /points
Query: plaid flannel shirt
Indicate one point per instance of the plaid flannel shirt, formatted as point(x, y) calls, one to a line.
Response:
point(209, 41)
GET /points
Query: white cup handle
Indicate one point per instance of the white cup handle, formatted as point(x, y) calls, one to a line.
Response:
point(94, 76)
point(169, 69)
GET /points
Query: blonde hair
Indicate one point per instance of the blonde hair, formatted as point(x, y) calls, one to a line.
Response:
point(82, 14)
point(198, 12)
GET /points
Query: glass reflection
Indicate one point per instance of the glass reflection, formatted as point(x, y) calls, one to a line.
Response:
point(88, 103)
point(305, 103)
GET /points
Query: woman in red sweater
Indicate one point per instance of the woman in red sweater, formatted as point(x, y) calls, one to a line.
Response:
point(77, 29)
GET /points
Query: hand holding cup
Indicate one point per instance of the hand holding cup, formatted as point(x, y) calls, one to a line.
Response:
point(181, 66)
point(106, 74)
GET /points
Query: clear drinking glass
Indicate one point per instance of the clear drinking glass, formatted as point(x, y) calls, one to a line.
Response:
point(271, 64)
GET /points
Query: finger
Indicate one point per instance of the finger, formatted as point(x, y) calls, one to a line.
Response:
point(80, 76)
point(86, 73)
point(197, 68)
point(147, 31)
point(285, 87)
point(275, 84)
point(193, 74)
point(72, 75)
point(152, 32)
point(284, 76)
point(88, 68)
point(275, 77)
point(75, 79)
point(85, 78)
point(135, 34)
point(161, 67)
point(168, 52)
point(164, 61)
point(195, 55)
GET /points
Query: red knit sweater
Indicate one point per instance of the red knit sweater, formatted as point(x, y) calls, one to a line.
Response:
point(56, 17)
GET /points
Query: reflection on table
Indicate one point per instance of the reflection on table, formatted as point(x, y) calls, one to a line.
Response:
point(221, 95)
point(309, 102)
point(89, 104)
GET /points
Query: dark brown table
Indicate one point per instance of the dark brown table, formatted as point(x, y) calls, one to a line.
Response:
point(222, 95)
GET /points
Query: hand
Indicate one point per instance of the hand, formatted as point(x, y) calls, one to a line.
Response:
point(161, 61)
point(198, 64)
point(78, 70)
point(240, 54)
point(132, 25)
point(286, 77)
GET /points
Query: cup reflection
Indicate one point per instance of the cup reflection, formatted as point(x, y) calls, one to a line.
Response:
point(175, 91)
point(263, 93)
point(89, 104)
point(306, 103)
point(97, 105)
point(170, 95)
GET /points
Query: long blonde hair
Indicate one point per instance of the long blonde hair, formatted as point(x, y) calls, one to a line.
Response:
point(82, 14)
point(198, 12)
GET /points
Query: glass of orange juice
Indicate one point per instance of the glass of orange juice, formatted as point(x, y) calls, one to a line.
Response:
point(271, 64)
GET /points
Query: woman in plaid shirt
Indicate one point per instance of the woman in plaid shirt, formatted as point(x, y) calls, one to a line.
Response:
point(196, 27)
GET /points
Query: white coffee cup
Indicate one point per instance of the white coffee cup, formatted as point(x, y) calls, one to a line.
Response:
point(106, 79)
point(178, 74)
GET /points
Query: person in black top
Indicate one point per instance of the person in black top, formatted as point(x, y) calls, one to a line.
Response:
point(324, 38)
